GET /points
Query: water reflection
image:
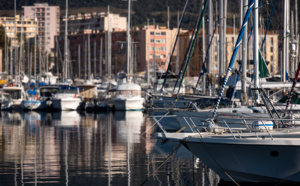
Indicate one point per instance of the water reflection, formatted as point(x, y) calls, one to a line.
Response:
point(79, 148)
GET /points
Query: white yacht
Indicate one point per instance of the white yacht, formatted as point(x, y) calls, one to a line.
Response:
point(66, 99)
point(14, 94)
point(128, 97)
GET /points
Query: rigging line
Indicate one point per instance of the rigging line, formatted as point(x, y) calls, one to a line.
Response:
point(193, 45)
point(177, 36)
point(262, 44)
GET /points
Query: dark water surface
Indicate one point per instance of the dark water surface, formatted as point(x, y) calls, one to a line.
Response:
point(72, 148)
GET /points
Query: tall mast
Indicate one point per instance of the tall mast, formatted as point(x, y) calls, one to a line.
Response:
point(108, 44)
point(203, 47)
point(148, 56)
point(255, 49)
point(178, 48)
point(85, 60)
point(244, 55)
point(128, 37)
point(101, 59)
point(34, 53)
point(221, 38)
point(89, 55)
point(210, 27)
point(79, 66)
point(21, 49)
point(66, 45)
point(15, 58)
point(95, 58)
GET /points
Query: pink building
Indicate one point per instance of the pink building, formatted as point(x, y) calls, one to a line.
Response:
point(48, 20)
point(155, 46)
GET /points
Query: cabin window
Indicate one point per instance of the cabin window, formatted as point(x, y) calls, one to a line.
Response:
point(14, 94)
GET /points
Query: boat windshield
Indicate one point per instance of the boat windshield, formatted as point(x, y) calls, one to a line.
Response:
point(14, 94)
point(48, 92)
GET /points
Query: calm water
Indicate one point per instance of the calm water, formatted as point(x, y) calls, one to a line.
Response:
point(72, 148)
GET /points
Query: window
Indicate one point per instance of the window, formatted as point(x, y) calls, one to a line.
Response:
point(163, 48)
point(151, 48)
point(152, 33)
point(157, 33)
point(232, 40)
point(271, 40)
point(163, 33)
point(216, 58)
point(157, 41)
point(48, 8)
point(272, 58)
point(163, 40)
point(151, 40)
point(157, 49)
point(271, 49)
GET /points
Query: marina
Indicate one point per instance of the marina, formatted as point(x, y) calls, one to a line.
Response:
point(114, 98)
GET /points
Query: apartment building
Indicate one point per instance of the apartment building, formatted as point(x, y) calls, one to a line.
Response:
point(156, 45)
point(26, 26)
point(95, 22)
point(48, 18)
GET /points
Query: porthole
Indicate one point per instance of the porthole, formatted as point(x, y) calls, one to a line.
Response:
point(274, 153)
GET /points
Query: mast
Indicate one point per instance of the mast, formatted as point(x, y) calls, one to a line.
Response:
point(28, 60)
point(221, 38)
point(154, 61)
point(203, 46)
point(21, 49)
point(109, 44)
point(210, 30)
point(85, 60)
point(35, 54)
point(148, 56)
point(79, 75)
point(66, 44)
point(89, 55)
point(95, 58)
point(244, 56)
point(255, 50)
point(101, 59)
point(178, 48)
point(15, 58)
point(128, 37)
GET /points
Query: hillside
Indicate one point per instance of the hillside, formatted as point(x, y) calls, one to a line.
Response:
point(154, 10)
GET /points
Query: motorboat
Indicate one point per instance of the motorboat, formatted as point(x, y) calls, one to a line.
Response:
point(14, 94)
point(128, 97)
point(67, 98)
